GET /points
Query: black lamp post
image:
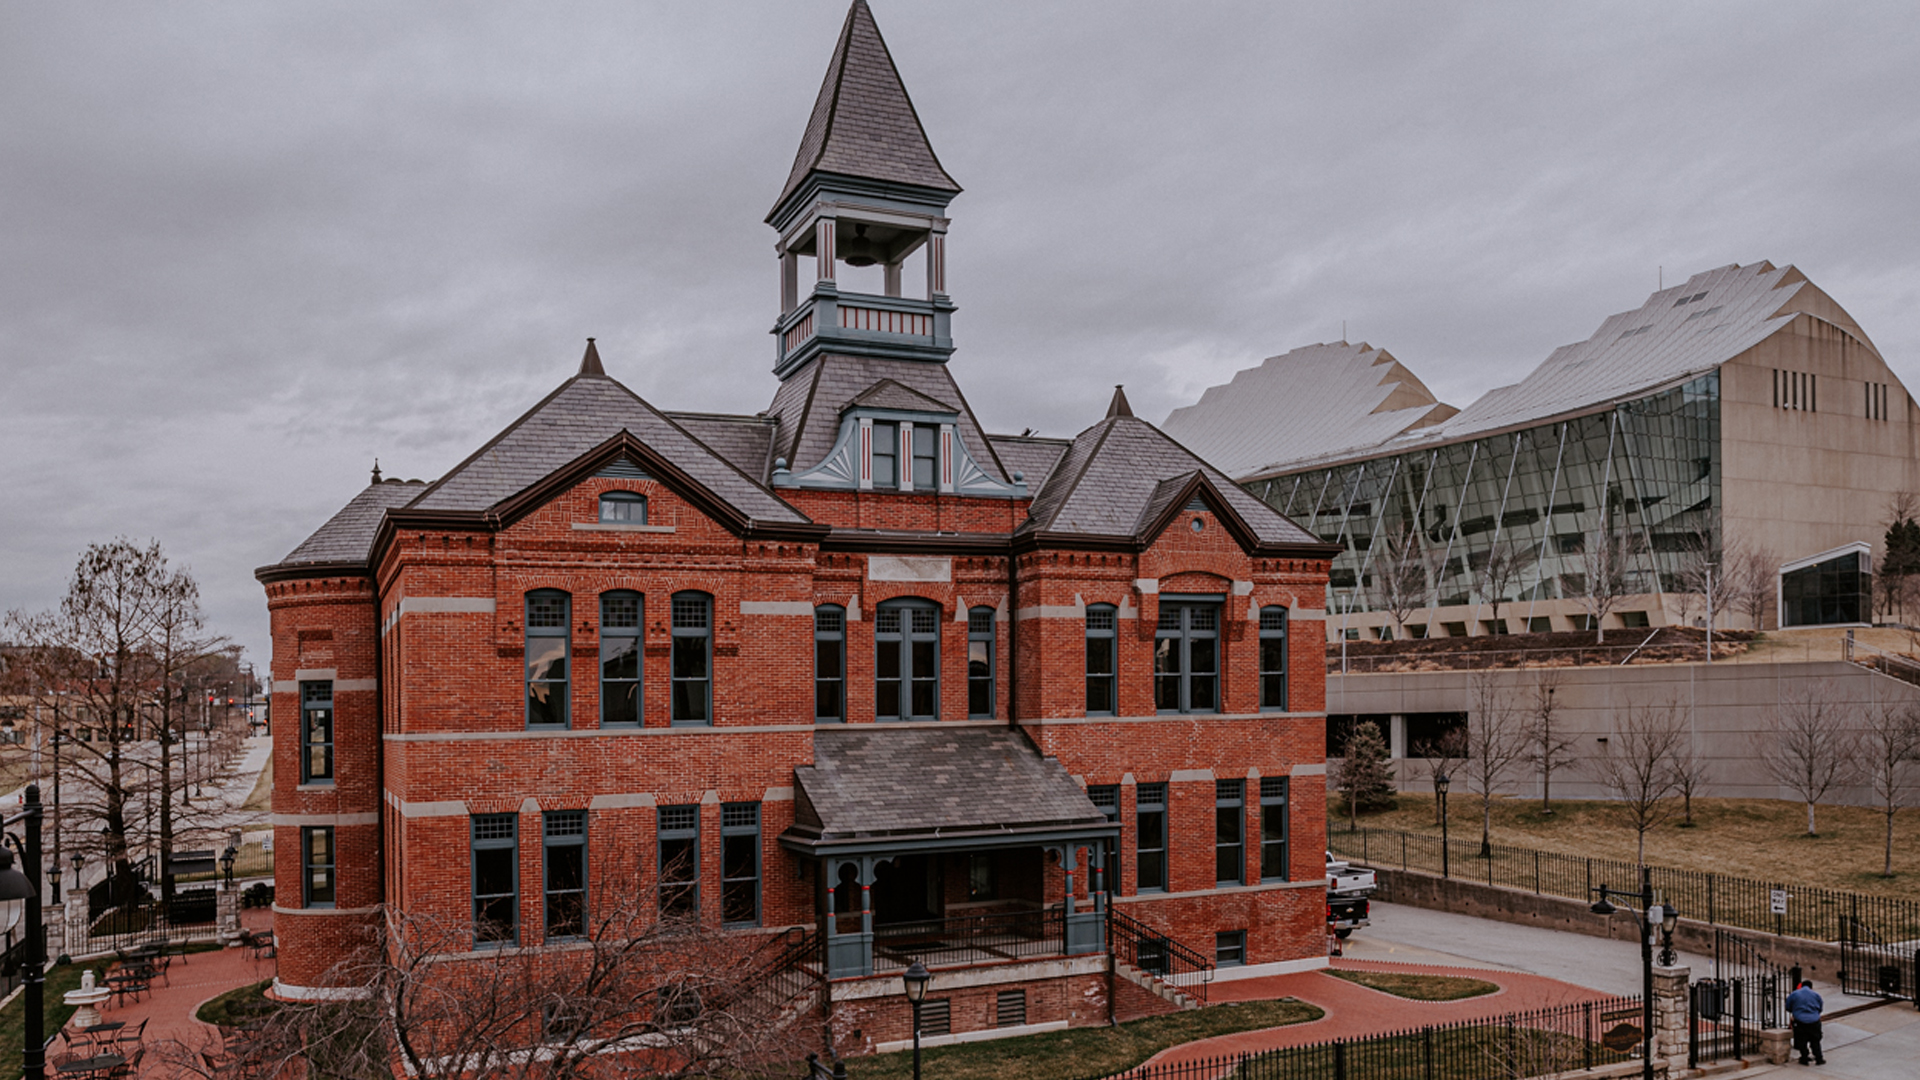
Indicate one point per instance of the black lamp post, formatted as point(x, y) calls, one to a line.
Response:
point(1651, 915)
point(16, 885)
point(1669, 918)
point(53, 879)
point(226, 863)
point(1441, 782)
point(916, 978)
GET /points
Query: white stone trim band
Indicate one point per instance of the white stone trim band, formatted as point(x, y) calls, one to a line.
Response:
point(305, 821)
point(1318, 768)
point(776, 607)
point(320, 993)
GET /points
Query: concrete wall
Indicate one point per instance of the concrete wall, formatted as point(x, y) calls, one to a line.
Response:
point(1730, 707)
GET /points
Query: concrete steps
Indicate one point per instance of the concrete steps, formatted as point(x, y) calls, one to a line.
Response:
point(1158, 987)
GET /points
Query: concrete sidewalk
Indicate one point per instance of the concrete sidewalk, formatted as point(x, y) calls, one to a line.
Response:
point(1881, 1043)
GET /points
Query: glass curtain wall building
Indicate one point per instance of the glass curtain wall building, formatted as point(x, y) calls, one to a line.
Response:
point(1635, 487)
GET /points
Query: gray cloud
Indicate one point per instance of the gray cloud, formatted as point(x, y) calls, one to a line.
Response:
point(249, 247)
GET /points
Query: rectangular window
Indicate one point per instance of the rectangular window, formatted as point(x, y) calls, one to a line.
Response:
point(1229, 948)
point(1273, 658)
point(317, 859)
point(1186, 658)
point(740, 864)
point(680, 861)
point(980, 662)
point(829, 663)
point(620, 624)
point(980, 880)
point(906, 648)
point(1106, 799)
point(566, 857)
point(925, 456)
point(886, 473)
point(1102, 645)
point(547, 651)
point(692, 659)
point(1150, 845)
point(1229, 831)
point(496, 879)
point(316, 732)
point(1273, 829)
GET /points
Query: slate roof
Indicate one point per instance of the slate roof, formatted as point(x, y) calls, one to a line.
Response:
point(348, 535)
point(1117, 468)
point(808, 405)
point(744, 441)
point(872, 781)
point(1306, 402)
point(887, 394)
point(583, 413)
point(863, 122)
point(1034, 458)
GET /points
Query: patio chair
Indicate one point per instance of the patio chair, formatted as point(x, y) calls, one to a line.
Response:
point(129, 1036)
point(262, 945)
point(129, 1067)
point(128, 984)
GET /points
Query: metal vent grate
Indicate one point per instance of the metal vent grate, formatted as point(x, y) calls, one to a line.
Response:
point(936, 1017)
point(1010, 1008)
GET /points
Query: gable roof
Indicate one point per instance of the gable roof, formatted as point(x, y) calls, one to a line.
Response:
point(745, 441)
point(863, 123)
point(808, 405)
point(887, 394)
point(1033, 457)
point(584, 413)
point(348, 535)
point(1119, 477)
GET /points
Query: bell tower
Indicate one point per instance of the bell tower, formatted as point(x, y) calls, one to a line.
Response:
point(866, 189)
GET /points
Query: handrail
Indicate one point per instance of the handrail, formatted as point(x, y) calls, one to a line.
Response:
point(1642, 645)
point(1180, 967)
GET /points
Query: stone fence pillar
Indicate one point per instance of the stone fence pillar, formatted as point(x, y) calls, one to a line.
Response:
point(227, 903)
point(1670, 1015)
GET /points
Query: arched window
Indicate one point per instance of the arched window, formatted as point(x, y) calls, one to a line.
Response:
point(829, 662)
point(620, 663)
point(906, 661)
point(623, 508)
point(1273, 658)
point(692, 658)
point(980, 662)
point(1102, 645)
point(1186, 657)
point(548, 616)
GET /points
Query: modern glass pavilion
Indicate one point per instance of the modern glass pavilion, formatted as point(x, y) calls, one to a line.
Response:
point(1743, 407)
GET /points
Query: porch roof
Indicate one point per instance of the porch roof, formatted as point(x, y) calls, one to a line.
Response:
point(938, 786)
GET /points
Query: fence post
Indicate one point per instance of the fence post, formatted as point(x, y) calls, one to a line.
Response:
point(1403, 853)
point(1710, 918)
point(1586, 1038)
point(1426, 1050)
point(1536, 871)
point(1364, 856)
point(1489, 867)
point(1739, 1011)
point(1589, 877)
point(1340, 1060)
point(1693, 1027)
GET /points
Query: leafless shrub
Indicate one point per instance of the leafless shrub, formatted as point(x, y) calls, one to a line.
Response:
point(1889, 747)
point(1637, 769)
point(1808, 751)
point(1496, 742)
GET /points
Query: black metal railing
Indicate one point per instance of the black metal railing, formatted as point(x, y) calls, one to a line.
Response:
point(971, 939)
point(1720, 1021)
point(1541, 1042)
point(13, 958)
point(1153, 952)
point(1811, 912)
point(1764, 985)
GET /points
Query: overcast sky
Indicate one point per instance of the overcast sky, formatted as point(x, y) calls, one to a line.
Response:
point(246, 248)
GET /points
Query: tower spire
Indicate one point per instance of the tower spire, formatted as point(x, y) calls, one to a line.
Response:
point(590, 363)
point(1118, 406)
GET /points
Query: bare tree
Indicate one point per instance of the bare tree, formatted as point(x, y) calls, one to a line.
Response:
point(1889, 747)
point(1604, 559)
point(1691, 770)
point(1400, 576)
point(1751, 575)
point(1807, 751)
point(1443, 757)
point(1496, 742)
point(1705, 576)
point(638, 997)
point(1549, 743)
point(1504, 564)
point(1637, 769)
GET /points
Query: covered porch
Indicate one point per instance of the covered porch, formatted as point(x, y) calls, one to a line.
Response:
point(951, 847)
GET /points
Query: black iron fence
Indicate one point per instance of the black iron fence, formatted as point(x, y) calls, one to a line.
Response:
point(972, 939)
point(1720, 1022)
point(13, 958)
point(1802, 911)
point(1538, 1043)
point(1136, 943)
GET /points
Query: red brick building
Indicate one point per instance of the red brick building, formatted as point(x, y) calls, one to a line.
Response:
point(1013, 706)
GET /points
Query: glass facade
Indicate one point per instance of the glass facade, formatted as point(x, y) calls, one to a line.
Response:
point(1839, 590)
point(1419, 528)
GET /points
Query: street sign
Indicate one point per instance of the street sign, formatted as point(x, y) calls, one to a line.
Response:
point(1779, 901)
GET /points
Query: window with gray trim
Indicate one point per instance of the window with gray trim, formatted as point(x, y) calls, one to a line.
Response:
point(1103, 642)
point(566, 859)
point(1106, 799)
point(1186, 657)
point(830, 662)
point(926, 456)
point(1273, 829)
point(316, 732)
point(692, 659)
point(740, 864)
point(980, 662)
point(1229, 948)
point(886, 458)
point(1273, 658)
point(317, 865)
point(620, 658)
point(1150, 839)
point(547, 649)
point(623, 508)
point(1229, 831)
point(906, 647)
point(679, 862)
point(496, 880)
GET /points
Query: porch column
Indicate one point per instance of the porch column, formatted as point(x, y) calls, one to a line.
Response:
point(1084, 929)
point(1068, 861)
point(850, 955)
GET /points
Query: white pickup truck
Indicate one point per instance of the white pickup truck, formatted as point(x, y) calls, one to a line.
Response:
point(1347, 892)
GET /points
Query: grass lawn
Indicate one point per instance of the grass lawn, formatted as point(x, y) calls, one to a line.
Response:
point(1764, 839)
point(1082, 1051)
point(1418, 987)
point(238, 1007)
point(13, 1019)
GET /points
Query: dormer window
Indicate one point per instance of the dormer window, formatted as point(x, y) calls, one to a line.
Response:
point(886, 460)
point(623, 508)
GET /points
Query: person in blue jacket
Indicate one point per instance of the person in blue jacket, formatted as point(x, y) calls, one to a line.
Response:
point(1805, 1007)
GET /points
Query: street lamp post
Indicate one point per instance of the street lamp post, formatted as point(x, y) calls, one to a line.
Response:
point(1440, 784)
point(18, 885)
point(916, 979)
point(1650, 915)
